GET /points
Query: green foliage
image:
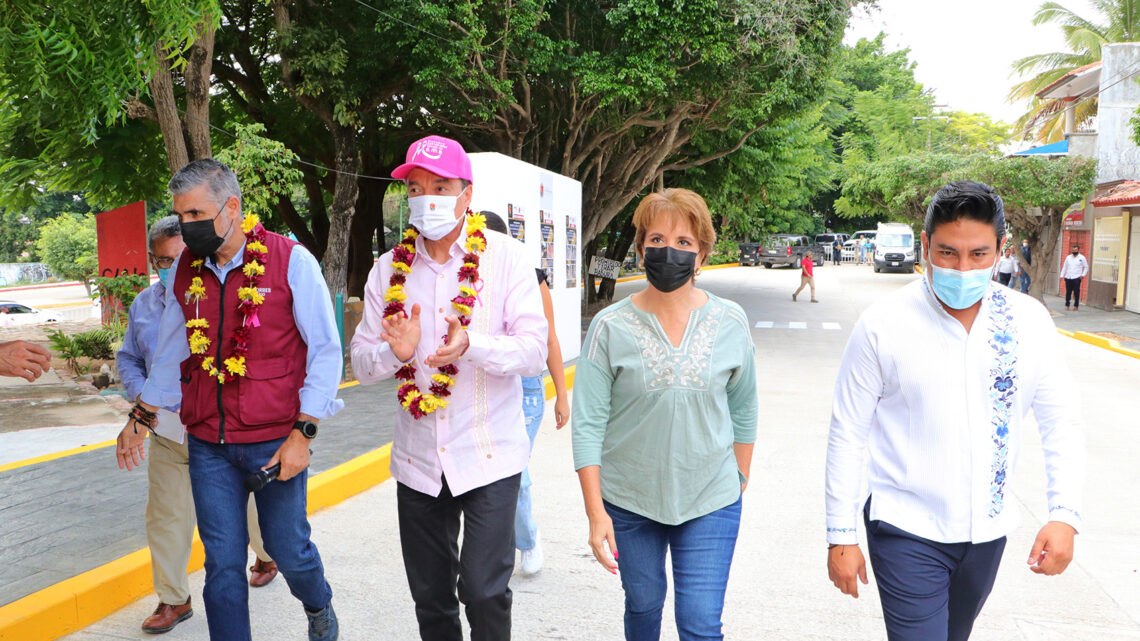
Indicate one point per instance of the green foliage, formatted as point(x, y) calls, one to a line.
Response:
point(725, 251)
point(123, 289)
point(20, 227)
point(267, 169)
point(67, 349)
point(1085, 37)
point(68, 245)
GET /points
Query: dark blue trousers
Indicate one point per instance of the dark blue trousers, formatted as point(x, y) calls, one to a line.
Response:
point(930, 591)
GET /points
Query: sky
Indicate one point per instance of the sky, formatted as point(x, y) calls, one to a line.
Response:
point(965, 48)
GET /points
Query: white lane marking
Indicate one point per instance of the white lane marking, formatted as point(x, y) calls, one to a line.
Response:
point(831, 326)
point(764, 324)
point(797, 325)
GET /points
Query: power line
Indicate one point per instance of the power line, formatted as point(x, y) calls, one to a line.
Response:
point(403, 22)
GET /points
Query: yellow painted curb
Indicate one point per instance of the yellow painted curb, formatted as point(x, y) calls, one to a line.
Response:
point(1102, 342)
point(54, 455)
point(77, 602)
point(550, 393)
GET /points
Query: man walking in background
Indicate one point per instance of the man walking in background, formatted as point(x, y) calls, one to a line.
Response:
point(169, 503)
point(1075, 267)
point(1006, 267)
point(807, 277)
point(836, 250)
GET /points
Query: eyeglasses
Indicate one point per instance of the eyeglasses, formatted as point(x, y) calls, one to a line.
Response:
point(162, 261)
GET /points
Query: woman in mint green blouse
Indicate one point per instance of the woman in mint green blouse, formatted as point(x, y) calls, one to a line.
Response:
point(664, 419)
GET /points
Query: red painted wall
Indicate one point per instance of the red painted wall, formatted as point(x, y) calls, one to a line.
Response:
point(1082, 239)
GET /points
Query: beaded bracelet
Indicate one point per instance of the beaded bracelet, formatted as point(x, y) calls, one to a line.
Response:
point(143, 416)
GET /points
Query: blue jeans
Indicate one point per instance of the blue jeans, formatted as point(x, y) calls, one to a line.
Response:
point(534, 403)
point(1024, 282)
point(701, 550)
point(217, 473)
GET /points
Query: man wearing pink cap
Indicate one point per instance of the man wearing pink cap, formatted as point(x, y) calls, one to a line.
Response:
point(454, 313)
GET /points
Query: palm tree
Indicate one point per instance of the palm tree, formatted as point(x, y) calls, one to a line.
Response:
point(1119, 21)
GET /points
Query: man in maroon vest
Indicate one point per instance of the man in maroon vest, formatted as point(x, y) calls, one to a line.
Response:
point(248, 342)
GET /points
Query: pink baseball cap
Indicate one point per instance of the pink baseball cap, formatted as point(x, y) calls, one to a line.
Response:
point(441, 156)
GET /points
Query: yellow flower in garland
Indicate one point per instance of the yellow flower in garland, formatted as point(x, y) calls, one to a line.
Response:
point(470, 266)
point(249, 222)
point(475, 222)
point(257, 246)
point(410, 398)
point(462, 309)
point(197, 289)
point(475, 244)
point(198, 342)
point(402, 267)
point(411, 233)
point(251, 294)
point(253, 268)
point(443, 379)
point(431, 403)
point(236, 365)
point(197, 322)
point(208, 365)
point(198, 263)
point(468, 292)
point(395, 293)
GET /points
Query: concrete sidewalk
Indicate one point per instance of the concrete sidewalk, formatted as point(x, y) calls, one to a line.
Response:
point(1124, 325)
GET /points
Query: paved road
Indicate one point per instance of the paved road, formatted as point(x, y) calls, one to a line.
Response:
point(778, 589)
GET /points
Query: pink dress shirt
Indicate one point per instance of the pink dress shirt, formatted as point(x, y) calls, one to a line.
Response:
point(480, 437)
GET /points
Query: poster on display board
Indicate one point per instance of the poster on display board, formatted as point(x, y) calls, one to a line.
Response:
point(543, 210)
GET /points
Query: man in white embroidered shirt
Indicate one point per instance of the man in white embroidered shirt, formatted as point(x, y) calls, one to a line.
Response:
point(460, 442)
point(936, 382)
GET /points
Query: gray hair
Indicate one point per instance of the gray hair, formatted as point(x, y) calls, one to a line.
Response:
point(222, 182)
point(163, 228)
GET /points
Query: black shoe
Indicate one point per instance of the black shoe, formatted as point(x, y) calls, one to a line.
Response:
point(323, 625)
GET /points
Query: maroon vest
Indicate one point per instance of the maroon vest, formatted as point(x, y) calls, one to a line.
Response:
point(263, 404)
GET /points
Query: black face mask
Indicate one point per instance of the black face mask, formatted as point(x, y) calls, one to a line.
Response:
point(668, 269)
point(1074, 252)
point(200, 237)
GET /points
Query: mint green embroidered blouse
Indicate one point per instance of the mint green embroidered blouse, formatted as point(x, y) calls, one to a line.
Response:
point(660, 420)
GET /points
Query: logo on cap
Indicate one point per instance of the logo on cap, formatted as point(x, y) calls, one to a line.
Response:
point(432, 149)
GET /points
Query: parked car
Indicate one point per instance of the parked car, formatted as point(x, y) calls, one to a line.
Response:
point(894, 248)
point(749, 254)
point(13, 313)
point(858, 237)
point(827, 239)
point(788, 249)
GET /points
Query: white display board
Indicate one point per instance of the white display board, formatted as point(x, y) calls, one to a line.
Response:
point(544, 210)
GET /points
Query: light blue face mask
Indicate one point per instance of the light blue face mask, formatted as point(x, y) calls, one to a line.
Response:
point(165, 275)
point(959, 290)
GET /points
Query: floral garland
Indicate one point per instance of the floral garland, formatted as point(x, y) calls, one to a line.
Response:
point(411, 398)
point(250, 301)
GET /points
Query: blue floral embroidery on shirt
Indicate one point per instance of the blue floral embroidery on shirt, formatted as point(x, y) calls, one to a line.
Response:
point(1003, 374)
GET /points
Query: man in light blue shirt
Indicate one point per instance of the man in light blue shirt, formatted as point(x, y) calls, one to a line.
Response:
point(170, 506)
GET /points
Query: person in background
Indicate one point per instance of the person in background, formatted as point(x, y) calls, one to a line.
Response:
point(1075, 267)
point(23, 359)
point(837, 250)
point(930, 409)
point(665, 412)
point(460, 441)
point(534, 403)
point(169, 502)
point(1026, 263)
point(807, 277)
point(1006, 267)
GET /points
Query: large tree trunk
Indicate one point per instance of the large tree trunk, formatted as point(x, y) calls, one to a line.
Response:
point(368, 221)
point(1043, 245)
point(343, 208)
point(199, 61)
point(166, 112)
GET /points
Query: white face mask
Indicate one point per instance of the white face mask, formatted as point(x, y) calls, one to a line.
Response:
point(434, 216)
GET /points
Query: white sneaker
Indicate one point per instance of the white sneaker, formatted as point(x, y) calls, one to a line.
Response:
point(530, 561)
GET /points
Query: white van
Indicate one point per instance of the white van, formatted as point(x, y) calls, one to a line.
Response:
point(894, 248)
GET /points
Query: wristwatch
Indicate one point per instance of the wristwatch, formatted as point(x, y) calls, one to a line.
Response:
point(308, 429)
